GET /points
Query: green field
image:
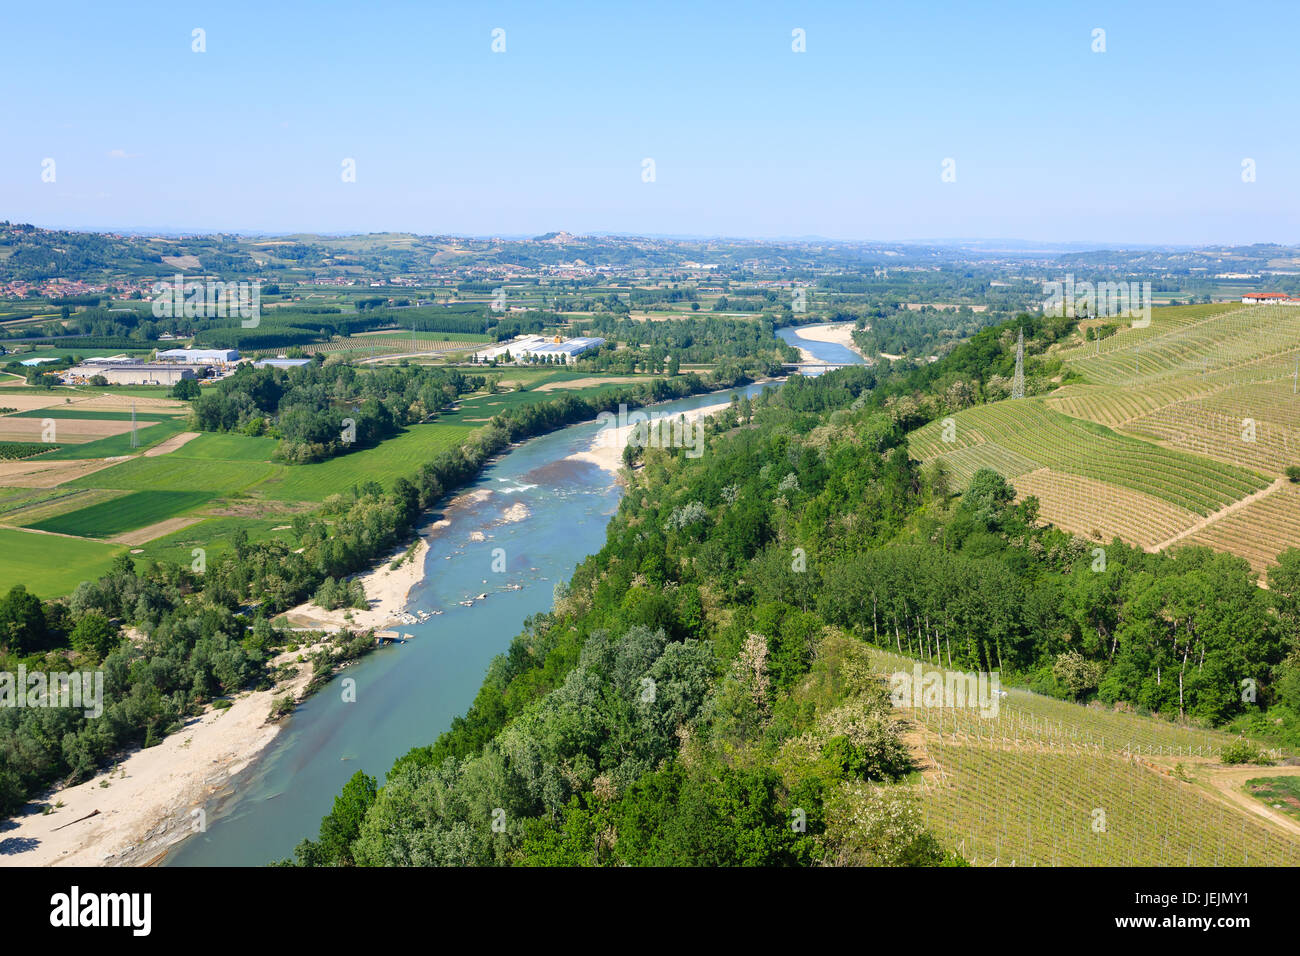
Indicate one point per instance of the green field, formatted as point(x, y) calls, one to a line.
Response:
point(173, 473)
point(118, 445)
point(212, 446)
point(49, 565)
point(214, 536)
point(398, 457)
point(75, 411)
point(135, 510)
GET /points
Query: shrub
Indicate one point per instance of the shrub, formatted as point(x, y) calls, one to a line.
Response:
point(1242, 751)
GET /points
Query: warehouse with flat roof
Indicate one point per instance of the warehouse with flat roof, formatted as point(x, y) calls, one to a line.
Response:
point(135, 373)
point(281, 362)
point(220, 357)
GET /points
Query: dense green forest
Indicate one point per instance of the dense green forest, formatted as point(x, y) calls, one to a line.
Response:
point(654, 346)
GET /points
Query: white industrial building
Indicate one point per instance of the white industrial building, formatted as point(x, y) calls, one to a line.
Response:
point(281, 361)
point(135, 373)
point(219, 357)
point(525, 345)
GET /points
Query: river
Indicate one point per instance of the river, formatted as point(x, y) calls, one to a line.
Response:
point(407, 694)
point(829, 352)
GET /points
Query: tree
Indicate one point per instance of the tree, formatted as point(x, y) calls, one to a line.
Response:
point(987, 498)
point(187, 389)
point(94, 634)
point(22, 621)
point(1284, 588)
point(1077, 674)
point(343, 823)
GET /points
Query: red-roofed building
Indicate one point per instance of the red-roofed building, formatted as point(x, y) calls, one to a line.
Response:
point(1258, 298)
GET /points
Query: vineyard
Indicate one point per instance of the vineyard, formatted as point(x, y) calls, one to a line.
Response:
point(1254, 341)
point(1256, 426)
point(1031, 431)
point(1048, 782)
point(18, 450)
point(1100, 511)
point(1037, 807)
point(1258, 531)
point(1114, 407)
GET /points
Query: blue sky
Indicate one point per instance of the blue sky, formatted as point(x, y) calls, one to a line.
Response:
point(1051, 141)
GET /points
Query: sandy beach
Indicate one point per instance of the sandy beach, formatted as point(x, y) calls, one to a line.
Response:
point(386, 592)
point(839, 333)
point(146, 802)
point(606, 450)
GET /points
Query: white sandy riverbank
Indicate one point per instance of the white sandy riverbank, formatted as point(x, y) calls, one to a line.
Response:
point(606, 449)
point(146, 802)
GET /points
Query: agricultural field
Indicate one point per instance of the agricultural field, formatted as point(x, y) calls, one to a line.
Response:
point(106, 519)
point(1031, 806)
point(175, 472)
point(1173, 433)
point(148, 434)
point(50, 565)
point(1094, 510)
point(396, 457)
point(1245, 342)
point(1052, 783)
point(395, 343)
point(1255, 425)
point(179, 490)
point(81, 412)
point(1033, 432)
point(1259, 530)
point(214, 535)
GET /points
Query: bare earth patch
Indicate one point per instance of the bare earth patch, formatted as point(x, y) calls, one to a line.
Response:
point(47, 474)
point(147, 534)
point(25, 403)
point(108, 402)
point(171, 444)
point(587, 382)
point(66, 431)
